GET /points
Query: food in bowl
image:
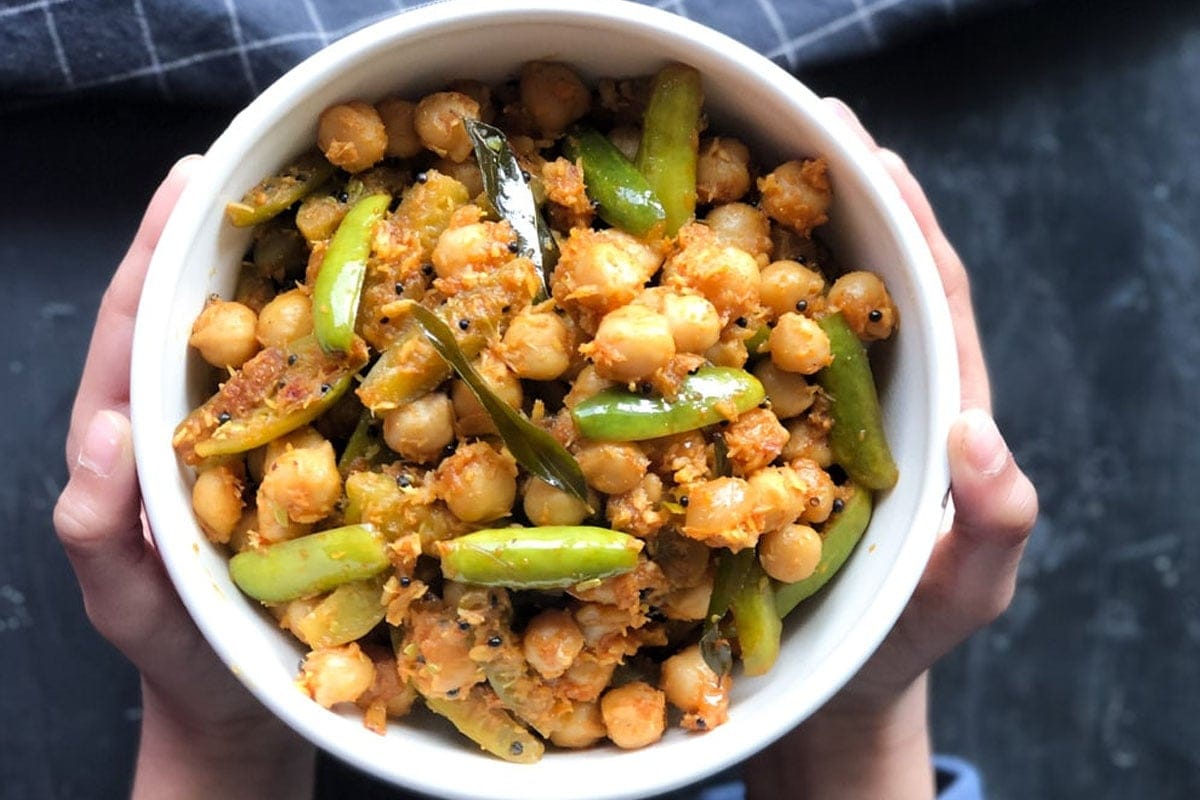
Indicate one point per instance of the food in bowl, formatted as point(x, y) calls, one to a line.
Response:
point(538, 403)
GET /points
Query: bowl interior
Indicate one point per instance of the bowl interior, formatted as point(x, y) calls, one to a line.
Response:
point(746, 96)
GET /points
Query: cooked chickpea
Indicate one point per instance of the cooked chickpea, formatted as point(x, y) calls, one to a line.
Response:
point(352, 135)
point(819, 490)
point(551, 642)
point(587, 384)
point(782, 495)
point(397, 116)
point(791, 553)
point(337, 674)
point(724, 512)
point(865, 303)
point(304, 482)
point(419, 430)
point(466, 172)
point(478, 91)
point(612, 467)
point(478, 482)
point(797, 194)
point(691, 686)
point(553, 95)
point(694, 323)
point(627, 139)
point(224, 333)
point(799, 345)
point(635, 714)
point(791, 286)
point(585, 679)
point(439, 123)
point(631, 343)
point(744, 227)
point(790, 393)
point(722, 170)
point(537, 345)
point(727, 276)
point(548, 505)
point(582, 726)
point(285, 319)
point(599, 271)
point(810, 440)
point(471, 248)
point(217, 501)
point(471, 419)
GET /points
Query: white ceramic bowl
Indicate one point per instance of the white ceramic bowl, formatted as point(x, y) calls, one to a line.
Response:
point(824, 644)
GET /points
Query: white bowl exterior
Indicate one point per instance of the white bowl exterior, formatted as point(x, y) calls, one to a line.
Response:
point(198, 254)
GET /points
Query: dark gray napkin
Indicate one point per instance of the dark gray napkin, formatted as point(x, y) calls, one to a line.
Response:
point(227, 51)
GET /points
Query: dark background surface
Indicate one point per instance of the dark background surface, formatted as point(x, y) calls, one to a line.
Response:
point(1061, 148)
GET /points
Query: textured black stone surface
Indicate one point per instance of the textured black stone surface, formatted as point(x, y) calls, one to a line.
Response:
point(1060, 146)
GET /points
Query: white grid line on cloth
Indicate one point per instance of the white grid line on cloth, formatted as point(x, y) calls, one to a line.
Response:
point(776, 24)
point(160, 77)
point(833, 26)
point(243, 56)
point(41, 5)
point(868, 24)
point(60, 52)
point(316, 21)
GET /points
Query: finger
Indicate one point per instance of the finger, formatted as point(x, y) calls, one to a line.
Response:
point(976, 391)
point(973, 570)
point(105, 381)
point(98, 520)
point(852, 121)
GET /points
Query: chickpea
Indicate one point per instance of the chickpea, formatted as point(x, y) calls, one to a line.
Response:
point(791, 286)
point(627, 139)
point(631, 343)
point(553, 95)
point(304, 483)
point(691, 686)
point(724, 512)
point(694, 323)
point(782, 495)
point(224, 333)
point(599, 271)
point(744, 227)
point(397, 116)
point(352, 135)
point(791, 394)
point(587, 384)
point(217, 501)
point(865, 303)
point(548, 505)
point(471, 248)
point(537, 345)
point(478, 91)
point(478, 482)
point(612, 467)
point(791, 553)
point(438, 121)
point(754, 439)
point(722, 170)
point(335, 675)
point(420, 429)
point(466, 172)
point(551, 642)
point(799, 345)
point(809, 440)
point(689, 603)
point(582, 726)
point(635, 714)
point(727, 276)
point(471, 417)
point(285, 319)
point(797, 195)
point(585, 679)
point(819, 490)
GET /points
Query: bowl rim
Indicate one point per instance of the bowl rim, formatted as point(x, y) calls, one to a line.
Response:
point(146, 397)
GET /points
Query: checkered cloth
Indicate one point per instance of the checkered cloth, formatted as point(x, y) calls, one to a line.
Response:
point(227, 51)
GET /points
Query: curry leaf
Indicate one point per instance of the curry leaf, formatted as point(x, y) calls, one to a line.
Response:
point(533, 448)
point(508, 190)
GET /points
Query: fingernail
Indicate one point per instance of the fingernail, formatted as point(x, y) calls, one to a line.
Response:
point(102, 444)
point(984, 445)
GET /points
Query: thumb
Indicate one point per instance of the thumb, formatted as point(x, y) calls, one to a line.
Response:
point(974, 567)
point(98, 520)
